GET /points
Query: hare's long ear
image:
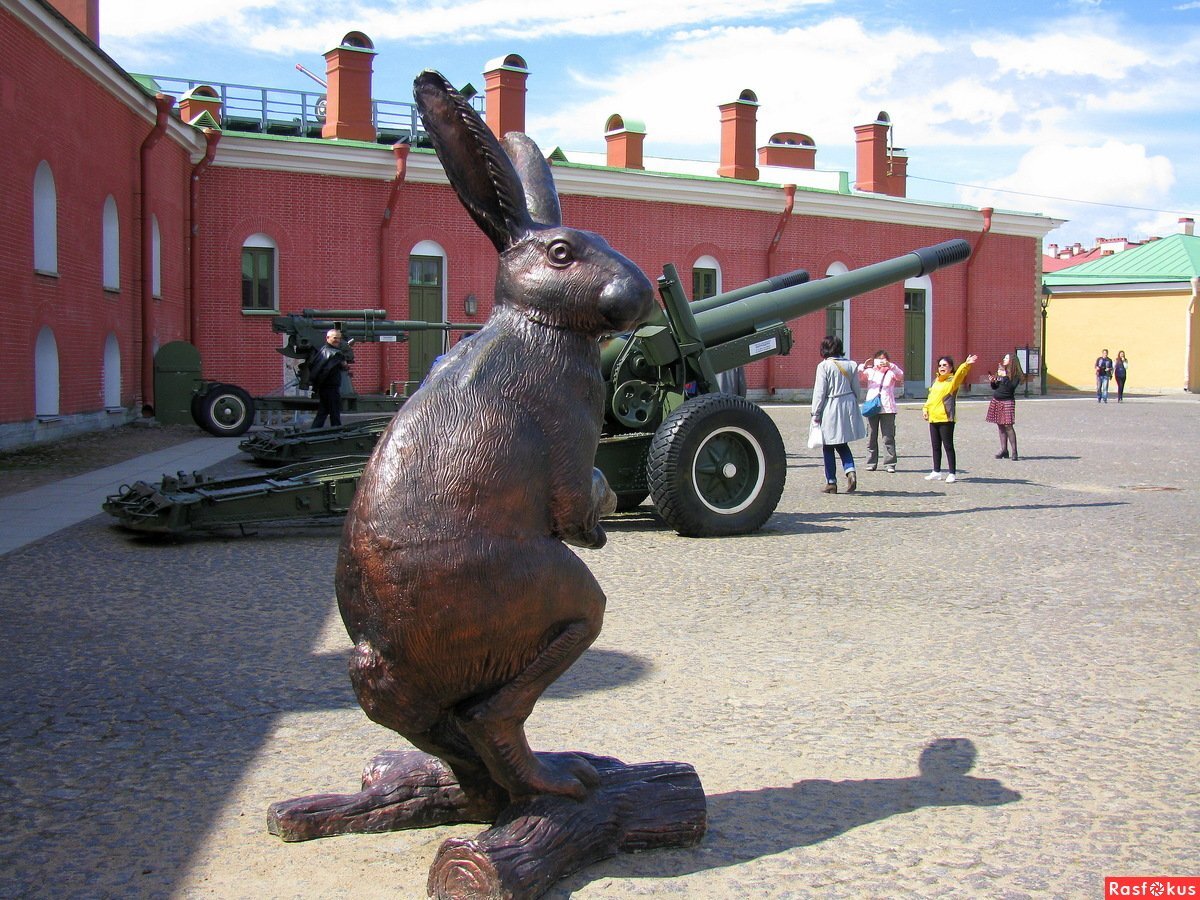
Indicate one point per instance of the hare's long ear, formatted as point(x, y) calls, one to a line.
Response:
point(479, 170)
point(540, 194)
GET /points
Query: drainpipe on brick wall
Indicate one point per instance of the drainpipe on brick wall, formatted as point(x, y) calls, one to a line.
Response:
point(966, 330)
point(789, 201)
point(163, 104)
point(400, 151)
point(212, 137)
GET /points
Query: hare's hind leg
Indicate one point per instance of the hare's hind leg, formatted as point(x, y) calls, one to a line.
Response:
point(496, 725)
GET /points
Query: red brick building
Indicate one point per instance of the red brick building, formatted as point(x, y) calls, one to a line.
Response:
point(132, 220)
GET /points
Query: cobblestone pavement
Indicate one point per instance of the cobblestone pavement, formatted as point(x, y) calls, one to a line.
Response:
point(982, 689)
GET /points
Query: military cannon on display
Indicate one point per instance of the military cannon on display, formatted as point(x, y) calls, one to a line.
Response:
point(713, 463)
point(227, 410)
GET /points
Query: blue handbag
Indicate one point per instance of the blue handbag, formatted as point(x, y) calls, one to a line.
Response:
point(872, 407)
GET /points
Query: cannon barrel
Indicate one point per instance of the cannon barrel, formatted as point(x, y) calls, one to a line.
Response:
point(742, 316)
point(612, 348)
point(774, 283)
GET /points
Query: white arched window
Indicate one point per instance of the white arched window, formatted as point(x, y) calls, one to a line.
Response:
point(45, 220)
point(706, 278)
point(110, 239)
point(155, 258)
point(837, 316)
point(45, 365)
point(112, 372)
point(260, 274)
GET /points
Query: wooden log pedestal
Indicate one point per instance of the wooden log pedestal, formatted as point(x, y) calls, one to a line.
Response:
point(531, 844)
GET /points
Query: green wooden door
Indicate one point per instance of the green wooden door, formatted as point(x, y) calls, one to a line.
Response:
point(424, 305)
point(916, 380)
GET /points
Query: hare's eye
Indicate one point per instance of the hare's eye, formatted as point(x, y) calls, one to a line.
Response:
point(559, 253)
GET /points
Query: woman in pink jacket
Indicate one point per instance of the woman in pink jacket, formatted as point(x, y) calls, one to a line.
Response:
point(882, 377)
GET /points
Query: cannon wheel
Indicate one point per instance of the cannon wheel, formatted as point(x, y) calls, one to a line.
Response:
point(226, 411)
point(716, 467)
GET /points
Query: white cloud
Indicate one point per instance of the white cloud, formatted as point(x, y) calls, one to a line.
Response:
point(1068, 52)
point(820, 80)
point(1117, 173)
point(287, 26)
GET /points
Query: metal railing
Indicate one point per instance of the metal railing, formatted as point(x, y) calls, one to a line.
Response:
point(265, 110)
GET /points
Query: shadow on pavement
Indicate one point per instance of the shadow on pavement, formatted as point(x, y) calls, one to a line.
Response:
point(747, 825)
point(134, 702)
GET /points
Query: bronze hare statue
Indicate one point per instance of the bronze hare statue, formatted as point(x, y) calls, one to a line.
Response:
point(452, 578)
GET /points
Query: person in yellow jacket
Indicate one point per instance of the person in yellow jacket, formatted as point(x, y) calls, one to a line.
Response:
point(939, 413)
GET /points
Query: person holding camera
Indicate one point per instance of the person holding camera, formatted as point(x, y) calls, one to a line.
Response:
point(1002, 409)
point(881, 377)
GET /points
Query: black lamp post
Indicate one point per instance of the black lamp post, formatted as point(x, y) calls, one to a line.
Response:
point(1045, 301)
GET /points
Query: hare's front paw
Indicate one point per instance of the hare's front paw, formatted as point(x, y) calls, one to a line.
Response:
point(593, 539)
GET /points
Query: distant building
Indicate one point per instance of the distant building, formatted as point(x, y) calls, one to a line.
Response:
point(1057, 258)
point(140, 212)
point(1141, 300)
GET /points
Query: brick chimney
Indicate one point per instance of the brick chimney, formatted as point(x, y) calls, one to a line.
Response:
point(881, 169)
point(625, 138)
point(199, 100)
point(1187, 226)
point(790, 149)
point(504, 94)
point(738, 122)
point(83, 14)
point(348, 113)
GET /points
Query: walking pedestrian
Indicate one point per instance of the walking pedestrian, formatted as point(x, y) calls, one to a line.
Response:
point(939, 413)
point(835, 410)
point(881, 379)
point(1002, 410)
point(1104, 372)
point(1120, 372)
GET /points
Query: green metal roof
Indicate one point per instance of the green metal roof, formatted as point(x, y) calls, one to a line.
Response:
point(1173, 258)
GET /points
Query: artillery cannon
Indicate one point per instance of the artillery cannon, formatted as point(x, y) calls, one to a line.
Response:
point(227, 410)
point(713, 464)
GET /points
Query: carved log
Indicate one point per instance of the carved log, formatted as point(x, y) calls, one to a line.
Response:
point(400, 789)
point(536, 842)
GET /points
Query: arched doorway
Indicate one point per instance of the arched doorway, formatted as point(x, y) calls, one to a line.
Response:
point(112, 372)
point(426, 303)
point(45, 364)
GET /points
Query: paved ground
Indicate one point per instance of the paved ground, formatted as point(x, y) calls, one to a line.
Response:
point(832, 679)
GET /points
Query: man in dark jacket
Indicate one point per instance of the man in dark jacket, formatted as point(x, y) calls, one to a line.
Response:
point(325, 375)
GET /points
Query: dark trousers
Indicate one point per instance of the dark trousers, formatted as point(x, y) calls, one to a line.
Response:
point(1120, 389)
point(886, 423)
point(941, 434)
point(329, 404)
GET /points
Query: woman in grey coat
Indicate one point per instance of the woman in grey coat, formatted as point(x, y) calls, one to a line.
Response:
point(835, 409)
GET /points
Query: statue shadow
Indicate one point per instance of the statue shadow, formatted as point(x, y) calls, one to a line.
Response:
point(599, 670)
point(748, 825)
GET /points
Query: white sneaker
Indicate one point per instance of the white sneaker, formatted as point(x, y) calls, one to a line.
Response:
point(950, 479)
point(934, 476)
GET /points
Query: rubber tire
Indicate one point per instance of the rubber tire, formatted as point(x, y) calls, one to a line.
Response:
point(226, 411)
point(692, 499)
point(197, 400)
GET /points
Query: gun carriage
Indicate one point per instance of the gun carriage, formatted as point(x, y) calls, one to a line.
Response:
point(227, 410)
point(713, 463)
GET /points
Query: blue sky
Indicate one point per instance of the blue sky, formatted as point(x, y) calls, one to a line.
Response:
point(1087, 110)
